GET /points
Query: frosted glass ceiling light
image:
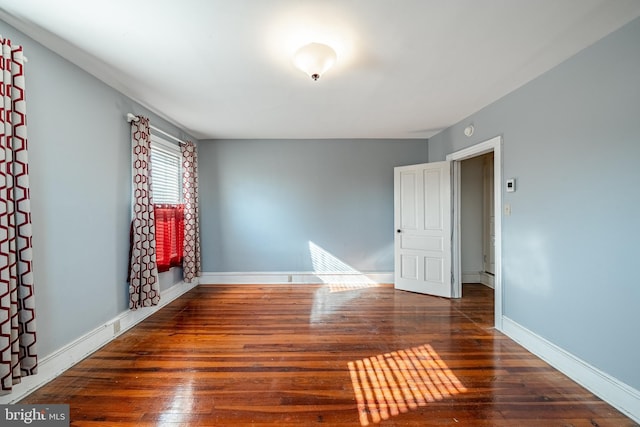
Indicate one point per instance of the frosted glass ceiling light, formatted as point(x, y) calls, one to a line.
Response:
point(314, 59)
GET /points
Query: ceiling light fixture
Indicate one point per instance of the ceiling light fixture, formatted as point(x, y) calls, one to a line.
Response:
point(314, 59)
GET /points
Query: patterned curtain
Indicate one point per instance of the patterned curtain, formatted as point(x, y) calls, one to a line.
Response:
point(17, 304)
point(191, 262)
point(144, 288)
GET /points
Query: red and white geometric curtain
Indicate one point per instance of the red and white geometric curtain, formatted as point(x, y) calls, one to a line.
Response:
point(191, 261)
point(18, 356)
point(144, 287)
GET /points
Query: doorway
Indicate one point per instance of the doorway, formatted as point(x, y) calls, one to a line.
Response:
point(428, 242)
point(477, 220)
point(493, 146)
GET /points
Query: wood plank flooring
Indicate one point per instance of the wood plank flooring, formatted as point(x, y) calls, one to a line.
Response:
point(304, 355)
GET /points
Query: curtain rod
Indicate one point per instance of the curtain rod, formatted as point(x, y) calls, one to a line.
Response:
point(133, 118)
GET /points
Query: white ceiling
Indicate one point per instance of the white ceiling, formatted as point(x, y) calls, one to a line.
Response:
point(406, 68)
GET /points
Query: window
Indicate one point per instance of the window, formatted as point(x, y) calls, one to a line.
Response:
point(166, 171)
point(166, 181)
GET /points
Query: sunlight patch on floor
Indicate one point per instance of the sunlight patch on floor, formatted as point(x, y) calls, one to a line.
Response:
point(181, 406)
point(335, 273)
point(389, 384)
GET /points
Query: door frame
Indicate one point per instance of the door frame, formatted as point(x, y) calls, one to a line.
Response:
point(492, 145)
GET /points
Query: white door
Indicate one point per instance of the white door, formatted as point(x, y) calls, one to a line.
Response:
point(422, 199)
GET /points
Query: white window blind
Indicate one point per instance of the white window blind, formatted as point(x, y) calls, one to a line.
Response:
point(166, 171)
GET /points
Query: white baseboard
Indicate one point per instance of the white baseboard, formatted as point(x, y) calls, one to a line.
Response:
point(487, 280)
point(470, 277)
point(54, 364)
point(613, 391)
point(294, 277)
point(478, 277)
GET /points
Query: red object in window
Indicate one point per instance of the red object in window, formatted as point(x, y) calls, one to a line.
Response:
point(169, 235)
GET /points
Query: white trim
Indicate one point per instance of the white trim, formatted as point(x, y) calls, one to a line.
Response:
point(165, 144)
point(471, 277)
point(293, 277)
point(478, 277)
point(487, 279)
point(167, 135)
point(456, 236)
point(613, 391)
point(64, 358)
point(494, 144)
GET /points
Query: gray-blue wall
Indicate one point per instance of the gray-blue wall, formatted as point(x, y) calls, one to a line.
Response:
point(80, 176)
point(263, 201)
point(571, 245)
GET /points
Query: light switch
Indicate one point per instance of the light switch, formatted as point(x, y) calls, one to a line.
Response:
point(511, 185)
point(507, 209)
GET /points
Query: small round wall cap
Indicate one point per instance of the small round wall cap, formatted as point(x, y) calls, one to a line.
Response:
point(468, 131)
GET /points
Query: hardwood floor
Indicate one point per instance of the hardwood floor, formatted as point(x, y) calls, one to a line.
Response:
point(301, 355)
